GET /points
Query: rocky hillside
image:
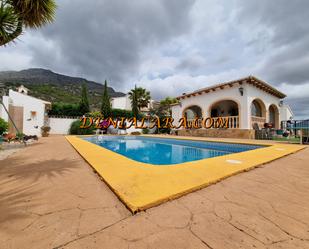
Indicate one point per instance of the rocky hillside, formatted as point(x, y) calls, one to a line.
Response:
point(54, 87)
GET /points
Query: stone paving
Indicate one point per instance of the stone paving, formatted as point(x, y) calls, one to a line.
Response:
point(51, 198)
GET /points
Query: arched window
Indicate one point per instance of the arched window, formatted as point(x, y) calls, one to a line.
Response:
point(193, 112)
point(256, 109)
point(274, 116)
point(224, 108)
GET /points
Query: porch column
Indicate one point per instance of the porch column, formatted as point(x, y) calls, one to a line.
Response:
point(205, 113)
point(245, 115)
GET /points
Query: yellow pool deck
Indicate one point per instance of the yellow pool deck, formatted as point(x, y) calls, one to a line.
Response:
point(140, 186)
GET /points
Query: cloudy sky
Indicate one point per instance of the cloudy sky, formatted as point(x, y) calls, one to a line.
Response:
point(174, 46)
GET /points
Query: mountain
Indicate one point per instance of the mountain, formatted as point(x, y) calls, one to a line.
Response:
point(54, 87)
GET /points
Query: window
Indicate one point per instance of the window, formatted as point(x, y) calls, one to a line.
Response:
point(33, 115)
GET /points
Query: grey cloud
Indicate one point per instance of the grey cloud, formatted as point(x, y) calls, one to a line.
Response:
point(191, 63)
point(287, 19)
point(299, 107)
point(105, 39)
point(283, 32)
point(170, 46)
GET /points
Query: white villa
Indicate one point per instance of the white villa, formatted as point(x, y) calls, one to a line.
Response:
point(28, 113)
point(248, 102)
point(124, 103)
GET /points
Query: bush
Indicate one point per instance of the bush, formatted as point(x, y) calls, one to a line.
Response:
point(145, 131)
point(163, 130)
point(62, 109)
point(94, 114)
point(76, 130)
point(73, 110)
point(20, 136)
point(3, 126)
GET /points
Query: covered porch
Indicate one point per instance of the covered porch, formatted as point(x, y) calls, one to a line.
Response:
point(228, 109)
point(252, 115)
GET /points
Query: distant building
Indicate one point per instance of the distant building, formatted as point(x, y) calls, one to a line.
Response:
point(124, 103)
point(28, 113)
point(22, 89)
point(247, 103)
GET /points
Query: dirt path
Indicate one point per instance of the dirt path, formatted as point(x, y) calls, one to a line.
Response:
point(51, 198)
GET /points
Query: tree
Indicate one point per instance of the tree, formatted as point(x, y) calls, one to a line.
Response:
point(165, 104)
point(15, 15)
point(106, 105)
point(84, 102)
point(142, 97)
point(134, 101)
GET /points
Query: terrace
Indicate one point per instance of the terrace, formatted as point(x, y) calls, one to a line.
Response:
point(44, 197)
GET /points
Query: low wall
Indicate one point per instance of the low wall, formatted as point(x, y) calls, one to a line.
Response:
point(224, 133)
point(60, 125)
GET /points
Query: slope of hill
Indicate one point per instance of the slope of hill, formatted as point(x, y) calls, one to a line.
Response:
point(54, 87)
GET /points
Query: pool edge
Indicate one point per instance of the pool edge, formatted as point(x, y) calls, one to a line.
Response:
point(134, 207)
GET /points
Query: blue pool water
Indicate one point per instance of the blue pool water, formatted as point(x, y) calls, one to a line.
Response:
point(161, 151)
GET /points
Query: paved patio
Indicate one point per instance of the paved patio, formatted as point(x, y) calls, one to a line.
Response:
point(51, 198)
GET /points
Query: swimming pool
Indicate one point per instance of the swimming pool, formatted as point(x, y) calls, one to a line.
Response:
point(161, 151)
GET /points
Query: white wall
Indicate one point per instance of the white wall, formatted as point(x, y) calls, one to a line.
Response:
point(206, 100)
point(268, 100)
point(29, 104)
point(285, 113)
point(123, 103)
point(3, 114)
point(60, 125)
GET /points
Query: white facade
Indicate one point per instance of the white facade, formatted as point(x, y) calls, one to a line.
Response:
point(286, 112)
point(33, 111)
point(124, 103)
point(242, 94)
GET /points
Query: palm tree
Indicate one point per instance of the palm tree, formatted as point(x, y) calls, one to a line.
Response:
point(134, 102)
point(142, 97)
point(165, 104)
point(18, 14)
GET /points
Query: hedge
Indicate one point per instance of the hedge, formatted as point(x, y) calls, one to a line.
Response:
point(62, 109)
point(72, 110)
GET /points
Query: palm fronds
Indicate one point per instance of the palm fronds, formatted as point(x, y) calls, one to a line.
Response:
point(16, 14)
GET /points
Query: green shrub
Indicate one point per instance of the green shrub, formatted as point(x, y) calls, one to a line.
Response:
point(73, 110)
point(94, 114)
point(20, 135)
point(145, 131)
point(62, 109)
point(3, 126)
point(76, 130)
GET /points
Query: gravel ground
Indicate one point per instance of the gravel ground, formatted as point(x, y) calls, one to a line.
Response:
point(8, 149)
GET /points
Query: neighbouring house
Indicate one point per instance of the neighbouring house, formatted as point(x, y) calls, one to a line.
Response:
point(28, 113)
point(247, 103)
point(124, 103)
